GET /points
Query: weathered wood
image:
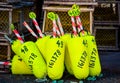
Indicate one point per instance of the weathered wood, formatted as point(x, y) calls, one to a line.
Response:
point(10, 1)
point(70, 3)
point(6, 9)
point(106, 22)
point(119, 12)
point(4, 44)
point(51, 8)
point(1, 39)
point(6, 5)
point(2, 3)
point(107, 1)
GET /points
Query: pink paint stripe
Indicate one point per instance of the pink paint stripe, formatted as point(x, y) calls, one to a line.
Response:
point(54, 34)
point(78, 26)
point(18, 36)
point(54, 30)
point(60, 26)
point(29, 29)
point(79, 23)
point(73, 25)
point(6, 63)
point(35, 23)
point(56, 27)
point(38, 28)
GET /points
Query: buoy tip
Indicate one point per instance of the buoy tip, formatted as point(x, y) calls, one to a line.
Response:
point(12, 26)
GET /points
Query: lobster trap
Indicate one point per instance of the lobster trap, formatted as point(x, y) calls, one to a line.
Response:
point(66, 21)
point(106, 37)
point(106, 24)
point(5, 50)
point(15, 14)
point(61, 7)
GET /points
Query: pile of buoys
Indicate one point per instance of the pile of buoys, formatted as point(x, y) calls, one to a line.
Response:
point(52, 54)
point(83, 50)
point(30, 54)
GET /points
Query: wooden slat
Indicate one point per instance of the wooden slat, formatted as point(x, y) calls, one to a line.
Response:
point(6, 44)
point(6, 5)
point(72, 0)
point(108, 48)
point(2, 33)
point(109, 28)
point(66, 9)
point(107, 1)
point(2, 3)
point(119, 12)
point(70, 3)
point(3, 40)
point(106, 22)
point(5, 9)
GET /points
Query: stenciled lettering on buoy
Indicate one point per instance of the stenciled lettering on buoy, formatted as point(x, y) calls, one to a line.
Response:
point(85, 43)
point(60, 43)
point(54, 58)
point(31, 57)
point(24, 49)
point(82, 60)
point(56, 54)
point(93, 58)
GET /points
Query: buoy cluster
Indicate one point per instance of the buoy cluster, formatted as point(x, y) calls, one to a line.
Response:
point(51, 55)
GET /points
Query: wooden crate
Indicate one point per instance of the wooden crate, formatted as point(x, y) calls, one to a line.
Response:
point(15, 15)
point(61, 7)
point(106, 37)
point(86, 17)
point(5, 51)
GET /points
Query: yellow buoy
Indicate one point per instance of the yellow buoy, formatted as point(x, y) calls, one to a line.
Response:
point(94, 61)
point(55, 57)
point(16, 44)
point(66, 38)
point(33, 59)
point(79, 58)
point(41, 42)
point(19, 67)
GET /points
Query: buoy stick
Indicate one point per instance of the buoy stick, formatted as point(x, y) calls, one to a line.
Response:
point(52, 17)
point(5, 63)
point(70, 13)
point(60, 25)
point(56, 27)
point(29, 29)
point(76, 10)
point(32, 15)
point(16, 33)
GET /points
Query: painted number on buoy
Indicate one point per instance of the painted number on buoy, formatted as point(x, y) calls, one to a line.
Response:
point(31, 58)
point(85, 43)
point(60, 43)
point(93, 58)
point(54, 57)
point(82, 60)
point(24, 49)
